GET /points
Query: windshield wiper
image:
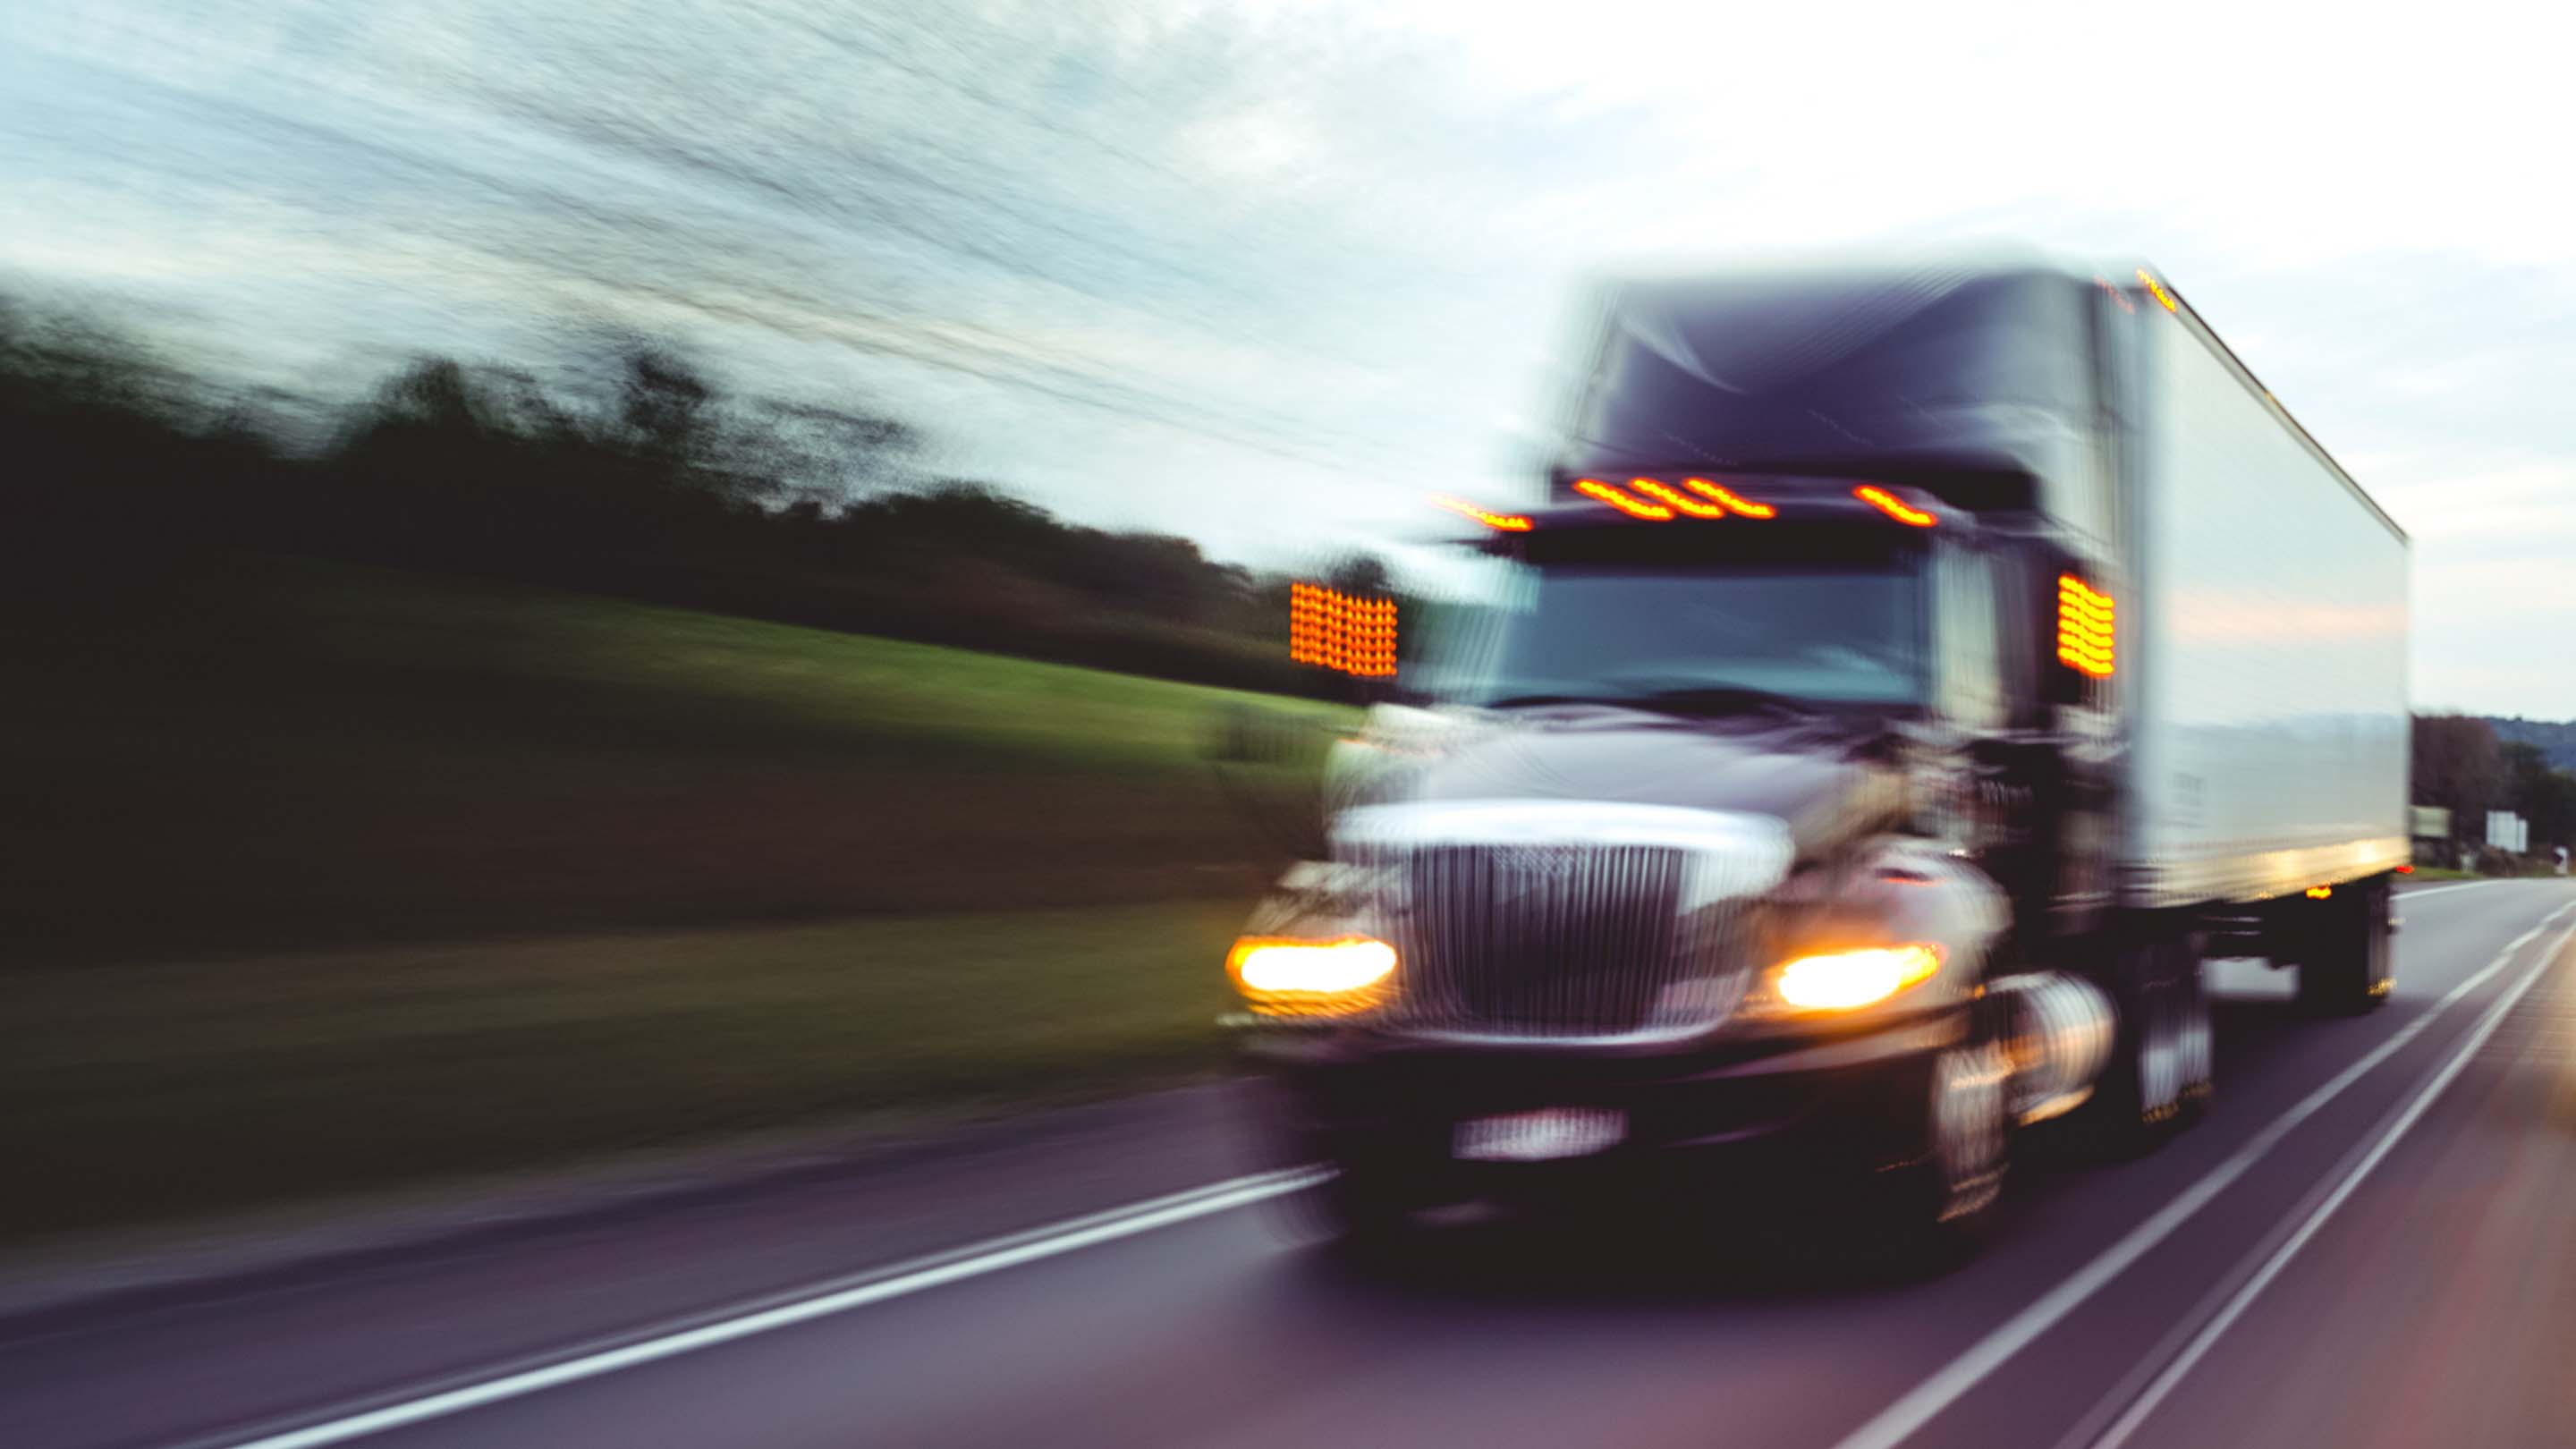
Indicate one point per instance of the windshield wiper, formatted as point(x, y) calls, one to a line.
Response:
point(1727, 699)
point(1532, 701)
point(1697, 700)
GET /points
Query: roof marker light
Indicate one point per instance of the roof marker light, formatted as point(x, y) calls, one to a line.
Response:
point(2158, 288)
point(1745, 506)
point(1595, 488)
point(1506, 522)
point(1666, 493)
point(1894, 507)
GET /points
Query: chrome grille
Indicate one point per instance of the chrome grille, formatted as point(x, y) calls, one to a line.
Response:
point(1547, 940)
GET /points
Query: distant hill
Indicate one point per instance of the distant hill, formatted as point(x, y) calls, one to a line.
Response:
point(2556, 738)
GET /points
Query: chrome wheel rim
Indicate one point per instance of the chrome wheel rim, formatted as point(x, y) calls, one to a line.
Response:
point(1968, 1112)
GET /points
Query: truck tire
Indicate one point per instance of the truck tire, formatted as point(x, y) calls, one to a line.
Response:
point(2347, 966)
point(1938, 1211)
point(2163, 1061)
point(1359, 1213)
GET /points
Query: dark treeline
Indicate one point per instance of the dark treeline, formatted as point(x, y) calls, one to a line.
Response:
point(636, 474)
point(2555, 739)
point(2462, 766)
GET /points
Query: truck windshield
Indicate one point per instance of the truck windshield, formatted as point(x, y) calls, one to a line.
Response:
point(1837, 634)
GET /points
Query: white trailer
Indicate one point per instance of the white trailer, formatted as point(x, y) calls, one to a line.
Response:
point(2266, 693)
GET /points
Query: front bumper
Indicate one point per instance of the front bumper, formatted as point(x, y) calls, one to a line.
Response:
point(1784, 1115)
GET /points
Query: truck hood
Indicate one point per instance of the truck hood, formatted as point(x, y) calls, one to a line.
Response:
point(1812, 778)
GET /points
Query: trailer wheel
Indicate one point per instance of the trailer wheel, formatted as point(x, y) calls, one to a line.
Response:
point(2348, 967)
point(2163, 1062)
point(2199, 1040)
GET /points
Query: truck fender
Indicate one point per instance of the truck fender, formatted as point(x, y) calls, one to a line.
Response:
point(2059, 1039)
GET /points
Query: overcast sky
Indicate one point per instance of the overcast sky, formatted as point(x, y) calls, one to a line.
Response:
point(1266, 273)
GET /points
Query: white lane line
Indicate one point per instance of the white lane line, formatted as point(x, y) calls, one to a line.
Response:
point(2444, 889)
point(2398, 1126)
point(895, 1282)
point(1144, 1217)
point(1892, 1425)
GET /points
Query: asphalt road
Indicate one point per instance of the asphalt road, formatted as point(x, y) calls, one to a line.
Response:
point(2371, 1240)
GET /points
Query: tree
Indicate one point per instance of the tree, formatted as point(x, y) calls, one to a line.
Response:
point(2457, 767)
point(1359, 573)
point(625, 468)
point(2543, 796)
point(781, 451)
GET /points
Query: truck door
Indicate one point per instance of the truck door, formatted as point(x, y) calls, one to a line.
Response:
point(1988, 697)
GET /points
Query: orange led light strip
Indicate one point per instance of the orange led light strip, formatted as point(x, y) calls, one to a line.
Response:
point(1893, 506)
point(1670, 502)
point(1595, 488)
point(1506, 522)
point(1680, 502)
point(2158, 288)
point(1339, 631)
point(2084, 628)
point(1745, 506)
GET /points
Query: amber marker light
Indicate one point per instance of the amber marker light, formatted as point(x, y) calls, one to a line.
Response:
point(1893, 506)
point(1634, 508)
point(1504, 522)
point(1728, 497)
point(2158, 289)
point(2085, 627)
point(1287, 976)
point(1340, 631)
point(1848, 980)
point(2319, 893)
point(1666, 493)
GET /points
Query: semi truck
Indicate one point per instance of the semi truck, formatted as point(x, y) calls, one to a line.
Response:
point(1908, 673)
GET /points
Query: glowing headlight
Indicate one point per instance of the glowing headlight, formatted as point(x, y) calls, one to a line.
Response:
point(1286, 977)
point(1848, 979)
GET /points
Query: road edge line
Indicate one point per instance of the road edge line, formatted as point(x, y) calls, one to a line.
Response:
point(2454, 886)
point(2393, 1129)
point(1893, 1425)
point(894, 1281)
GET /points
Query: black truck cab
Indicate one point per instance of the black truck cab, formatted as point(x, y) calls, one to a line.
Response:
point(1785, 805)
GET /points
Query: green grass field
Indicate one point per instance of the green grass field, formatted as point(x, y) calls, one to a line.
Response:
point(163, 1090)
point(2533, 866)
point(281, 753)
point(336, 878)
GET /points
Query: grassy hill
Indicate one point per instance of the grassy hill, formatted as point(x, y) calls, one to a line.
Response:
point(275, 752)
point(333, 878)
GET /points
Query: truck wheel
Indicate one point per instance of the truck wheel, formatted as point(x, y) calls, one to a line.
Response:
point(2162, 1065)
point(1360, 1212)
point(2349, 967)
point(1940, 1208)
point(2199, 1041)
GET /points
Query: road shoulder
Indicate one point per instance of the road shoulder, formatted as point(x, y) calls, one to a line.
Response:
point(1136, 1146)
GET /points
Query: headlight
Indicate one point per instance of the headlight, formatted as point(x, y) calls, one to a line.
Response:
point(1844, 980)
point(1284, 976)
